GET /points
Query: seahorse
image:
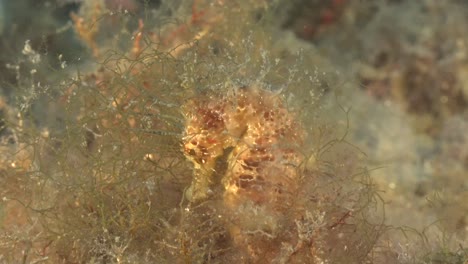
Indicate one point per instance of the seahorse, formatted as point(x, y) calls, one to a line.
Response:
point(263, 169)
point(263, 135)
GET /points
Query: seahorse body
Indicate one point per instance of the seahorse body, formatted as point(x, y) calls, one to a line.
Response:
point(263, 133)
point(264, 166)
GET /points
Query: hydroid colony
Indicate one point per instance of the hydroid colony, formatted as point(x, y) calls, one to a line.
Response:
point(189, 146)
